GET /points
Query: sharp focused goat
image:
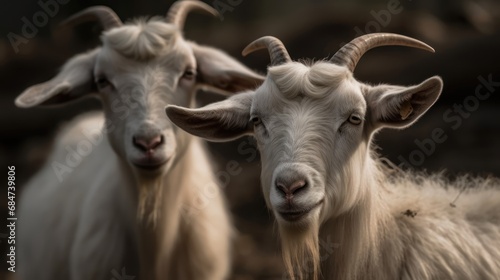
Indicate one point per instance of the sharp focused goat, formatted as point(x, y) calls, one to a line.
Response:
point(135, 203)
point(313, 124)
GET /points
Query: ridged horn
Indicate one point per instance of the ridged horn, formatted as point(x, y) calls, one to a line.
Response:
point(350, 54)
point(178, 12)
point(102, 14)
point(277, 50)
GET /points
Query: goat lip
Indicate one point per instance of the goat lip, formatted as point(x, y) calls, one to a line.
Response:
point(149, 164)
point(295, 215)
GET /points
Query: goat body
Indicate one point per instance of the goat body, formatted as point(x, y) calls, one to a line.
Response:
point(91, 215)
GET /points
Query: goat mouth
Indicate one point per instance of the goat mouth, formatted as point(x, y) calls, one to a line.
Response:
point(149, 165)
point(295, 215)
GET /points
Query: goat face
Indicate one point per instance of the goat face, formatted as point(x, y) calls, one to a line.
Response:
point(313, 126)
point(134, 93)
point(139, 69)
point(308, 138)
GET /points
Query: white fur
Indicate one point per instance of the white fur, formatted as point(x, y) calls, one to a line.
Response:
point(86, 226)
point(108, 213)
point(366, 221)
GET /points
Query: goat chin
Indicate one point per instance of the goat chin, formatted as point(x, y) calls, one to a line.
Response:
point(300, 250)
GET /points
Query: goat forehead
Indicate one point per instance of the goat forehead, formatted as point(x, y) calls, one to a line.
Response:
point(317, 81)
point(344, 100)
point(146, 42)
point(175, 60)
point(147, 79)
point(142, 39)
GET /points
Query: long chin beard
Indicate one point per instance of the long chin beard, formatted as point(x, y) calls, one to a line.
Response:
point(150, 194)
point(300, 250)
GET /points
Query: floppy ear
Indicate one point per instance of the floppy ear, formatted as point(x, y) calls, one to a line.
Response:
point(222, 72)
point(399, 107)
point(220, 121)
point(73, 81)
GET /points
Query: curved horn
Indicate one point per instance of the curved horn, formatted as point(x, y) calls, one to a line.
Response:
point(178, 12)
point(277, 50)
point(102, 14)
point(351, 53)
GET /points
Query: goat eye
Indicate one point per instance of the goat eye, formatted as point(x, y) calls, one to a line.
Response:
point(189, 74)
point(256, 121)
point(354, 119)
point(102, 82)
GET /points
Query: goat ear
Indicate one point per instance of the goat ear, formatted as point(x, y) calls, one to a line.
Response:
point(222, 121)
point(224, 73)
point(399, 107)
point(73, 81)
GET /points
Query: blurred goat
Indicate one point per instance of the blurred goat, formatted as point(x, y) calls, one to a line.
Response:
point(129, 203)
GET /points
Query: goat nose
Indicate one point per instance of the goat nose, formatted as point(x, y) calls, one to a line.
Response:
point(291, 188)
point(147, 143)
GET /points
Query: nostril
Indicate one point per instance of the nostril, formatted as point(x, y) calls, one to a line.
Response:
point(156, 141)
point(281, 188)
point(145, 144)
point(291, 189)
point(139, 143)
point(297, 186)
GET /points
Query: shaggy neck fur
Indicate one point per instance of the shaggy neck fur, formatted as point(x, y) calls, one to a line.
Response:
point(159, 200)
point(356, 234)
point(376, 239)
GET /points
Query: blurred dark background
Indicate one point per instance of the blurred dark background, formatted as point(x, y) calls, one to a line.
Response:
point(465, 34)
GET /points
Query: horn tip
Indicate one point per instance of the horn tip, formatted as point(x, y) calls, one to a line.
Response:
point(246, 51)
point(211, 10)
point(249, 48)
point(214, 12)
point(425, 46)
point(184, 6)
point(428, 48)
point(85, 15)
point(256, 45)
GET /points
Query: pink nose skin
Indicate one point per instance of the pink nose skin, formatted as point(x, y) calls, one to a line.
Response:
point(147, 144)
point(290, 189)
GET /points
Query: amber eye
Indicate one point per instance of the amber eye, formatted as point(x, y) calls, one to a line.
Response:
point(102, 83)
point(189, 74)
point(355, 119)
point(256, 121)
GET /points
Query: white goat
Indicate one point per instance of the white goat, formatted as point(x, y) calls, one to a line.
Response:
point(133, 204)
point(313, 125)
